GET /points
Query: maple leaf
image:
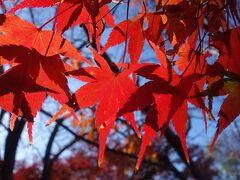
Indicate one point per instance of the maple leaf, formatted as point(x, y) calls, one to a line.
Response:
point(48, 44)
point(167, 100)
point(31, 77)
point(181, 23)
point(190, 61)
point(156, 22)
point(133, 31)
point(20, 32)
point(178, 23)
point(229, 110)
point(218, 21)
point(75, 12)
point(136, 32)
point(110, 90)
point(227, 43)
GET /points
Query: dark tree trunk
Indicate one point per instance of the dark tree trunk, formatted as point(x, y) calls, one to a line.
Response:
point(10, 150)
point(47, 161)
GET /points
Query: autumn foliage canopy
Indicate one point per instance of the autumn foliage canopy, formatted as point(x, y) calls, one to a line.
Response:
point(195, 42)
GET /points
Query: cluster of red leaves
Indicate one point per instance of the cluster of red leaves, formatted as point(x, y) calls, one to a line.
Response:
point(176, 32)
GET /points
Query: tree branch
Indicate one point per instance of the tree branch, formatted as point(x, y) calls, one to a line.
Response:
point(11, 145)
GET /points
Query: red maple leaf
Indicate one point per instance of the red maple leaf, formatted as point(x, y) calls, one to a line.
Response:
point(133, 31)
point(167, 100)
point(110, 90)
point(20, 32)
point(178, 23)
point(31, 76)
point(227, 43)
point(19, 46)
point(75, 12)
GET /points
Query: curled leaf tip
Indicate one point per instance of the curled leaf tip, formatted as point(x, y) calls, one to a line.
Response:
point(12, 121)
point(11, 127)
point(99, 162)
point(137, 167)
point(212, 144)
point(139, 135)
point(101, 127)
